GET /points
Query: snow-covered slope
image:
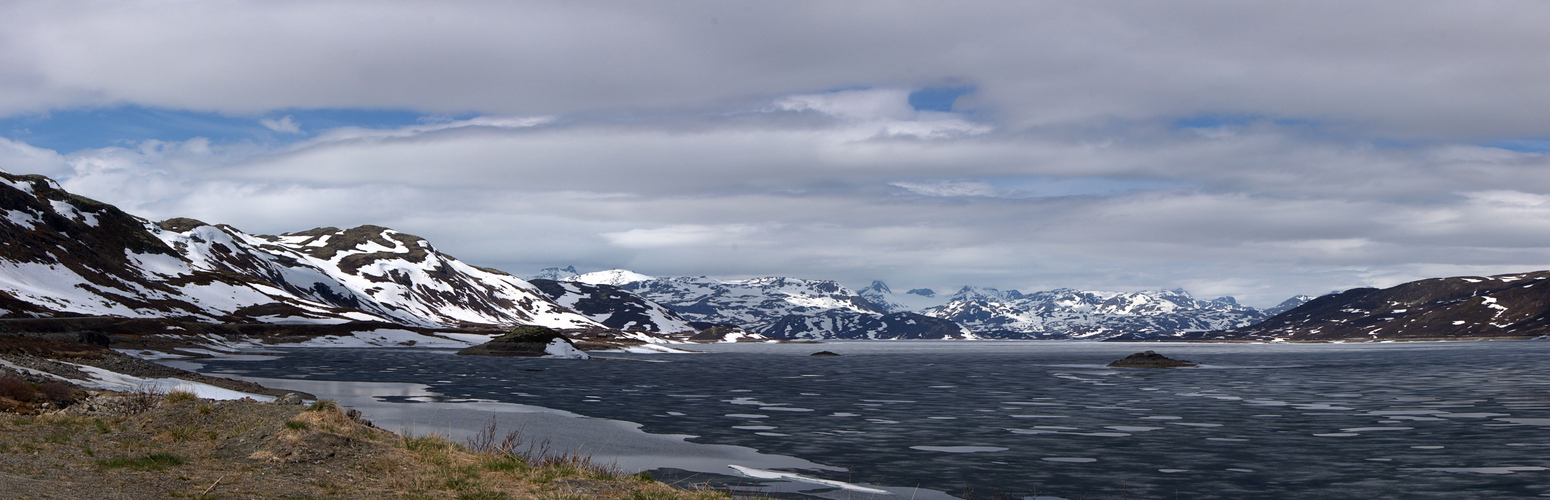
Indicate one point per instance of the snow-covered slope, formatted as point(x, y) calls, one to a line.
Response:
point(1463, 307)
point(616, 308)
point(911, 301)
point(615, 277)
point(778, 307)
point(62, 253)
point(1075, 314)
point(1288, 304)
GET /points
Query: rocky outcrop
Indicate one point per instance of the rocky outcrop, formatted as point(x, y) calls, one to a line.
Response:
point(528, 341)
point(1150, 359)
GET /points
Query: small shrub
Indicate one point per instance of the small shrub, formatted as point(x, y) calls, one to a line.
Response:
point(152, 461)
point(205, 409)
point(102, 426)
point(297, 425)
point(57, 438)
point(180, 396)
point(142, 399)
point(57, 392)
point(17, 389)
point(324, 405)
point(483, 495)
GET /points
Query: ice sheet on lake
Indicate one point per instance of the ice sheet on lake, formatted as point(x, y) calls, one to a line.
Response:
point(769, 474)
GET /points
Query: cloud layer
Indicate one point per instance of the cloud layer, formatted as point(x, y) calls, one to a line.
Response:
point(1227, 148)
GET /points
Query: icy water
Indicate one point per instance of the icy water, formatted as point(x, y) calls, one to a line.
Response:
point(1031, 419)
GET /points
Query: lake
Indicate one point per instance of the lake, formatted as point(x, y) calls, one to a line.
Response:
point(994, 419)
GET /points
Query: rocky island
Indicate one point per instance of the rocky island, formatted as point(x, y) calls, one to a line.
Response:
point(528, 341)
point(1150, 359)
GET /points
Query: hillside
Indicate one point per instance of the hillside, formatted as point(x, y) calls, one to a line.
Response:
point(1507, 306)
point(62, 254)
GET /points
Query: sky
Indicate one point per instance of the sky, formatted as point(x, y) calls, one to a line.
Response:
point(1253, 149)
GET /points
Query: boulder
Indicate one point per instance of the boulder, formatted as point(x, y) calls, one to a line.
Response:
point(1150, 359)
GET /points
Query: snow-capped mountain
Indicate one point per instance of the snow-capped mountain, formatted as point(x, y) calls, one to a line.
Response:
point(615, 308)
point(63, 253)
point(555, 273)
point(914, 300)
point(1502, 306)
point(1288, 304)
point(777, 307)
point(615, 277)
point(1075, 314)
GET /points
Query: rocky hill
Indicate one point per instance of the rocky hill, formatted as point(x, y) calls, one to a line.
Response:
point(1466, 307)
point(616, 308)
point(62, 254)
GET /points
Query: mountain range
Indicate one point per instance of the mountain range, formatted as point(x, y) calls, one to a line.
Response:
point(66, 255)
point(789, 308)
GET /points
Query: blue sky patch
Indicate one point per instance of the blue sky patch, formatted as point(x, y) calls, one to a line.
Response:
point(69, 131)
point(1523, 145)
point(938, 98)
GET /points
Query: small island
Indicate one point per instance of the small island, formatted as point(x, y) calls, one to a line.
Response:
point(528, 341)
point(1150, 359)
point(824, 353)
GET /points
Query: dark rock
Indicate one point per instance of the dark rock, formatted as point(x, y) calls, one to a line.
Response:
point(524, 341)
point(1150, 359)
point(94, 338)
point(825, 353)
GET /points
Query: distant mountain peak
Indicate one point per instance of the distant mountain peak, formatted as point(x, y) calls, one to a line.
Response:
point(554, 273)
point(877, 286)
point(615, 277)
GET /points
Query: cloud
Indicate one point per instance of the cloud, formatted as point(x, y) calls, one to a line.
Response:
point(1249, 149)
point(285, 125)
point(1441, 70)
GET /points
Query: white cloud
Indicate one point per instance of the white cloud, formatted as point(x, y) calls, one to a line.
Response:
point(285, 125)
point(680, 236)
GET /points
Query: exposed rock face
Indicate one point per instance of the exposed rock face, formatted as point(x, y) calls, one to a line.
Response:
point(1150, 359)
point(528, 341)
point(1464, 307)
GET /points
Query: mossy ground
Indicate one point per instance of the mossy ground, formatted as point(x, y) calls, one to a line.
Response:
point(187, 447)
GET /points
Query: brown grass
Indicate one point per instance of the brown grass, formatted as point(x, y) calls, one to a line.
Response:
point(195, 448)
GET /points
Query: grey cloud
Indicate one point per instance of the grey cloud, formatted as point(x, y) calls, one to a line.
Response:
point(1410, 69)
point(699, 138)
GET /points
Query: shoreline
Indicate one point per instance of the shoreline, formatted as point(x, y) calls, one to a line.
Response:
point(618, 443)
